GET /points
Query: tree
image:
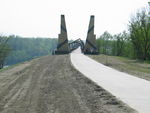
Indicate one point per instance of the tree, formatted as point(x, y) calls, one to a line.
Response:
point(120, 43)
point(104, 43)
point(139, 28)
point(4, 49)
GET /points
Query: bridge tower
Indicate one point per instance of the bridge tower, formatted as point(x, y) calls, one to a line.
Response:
point(62, 46)
point(90, 45)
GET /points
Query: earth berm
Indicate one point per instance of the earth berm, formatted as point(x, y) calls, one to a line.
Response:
point(50, 84)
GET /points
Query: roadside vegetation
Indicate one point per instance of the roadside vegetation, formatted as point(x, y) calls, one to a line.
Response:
point(134, 67)
point(134, 43)
point(128, 51)
point(10, 67)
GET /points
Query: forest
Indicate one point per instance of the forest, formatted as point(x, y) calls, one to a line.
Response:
point(18, 49)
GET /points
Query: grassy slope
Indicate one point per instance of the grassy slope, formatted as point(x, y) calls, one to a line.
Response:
point(133, 67)
point(9, 67)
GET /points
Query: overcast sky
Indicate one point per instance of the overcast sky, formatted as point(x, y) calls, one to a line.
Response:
point(41, 18)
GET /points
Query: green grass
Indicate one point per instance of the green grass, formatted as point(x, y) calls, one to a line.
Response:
point(9, 67)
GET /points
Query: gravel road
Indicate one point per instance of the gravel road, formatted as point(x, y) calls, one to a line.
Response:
point(50, 84)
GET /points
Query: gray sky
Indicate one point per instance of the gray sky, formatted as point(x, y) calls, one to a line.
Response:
point(41, 18)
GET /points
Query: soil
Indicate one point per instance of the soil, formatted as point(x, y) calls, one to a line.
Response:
point(50, 84)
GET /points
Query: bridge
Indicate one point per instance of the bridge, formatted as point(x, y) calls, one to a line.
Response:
point(75, 44)
point(65, 47)
point(135, 94)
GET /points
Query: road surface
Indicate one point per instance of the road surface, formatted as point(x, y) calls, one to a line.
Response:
point(132, 90)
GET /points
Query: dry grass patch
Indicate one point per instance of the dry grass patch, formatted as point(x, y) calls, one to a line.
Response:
point(134, 67)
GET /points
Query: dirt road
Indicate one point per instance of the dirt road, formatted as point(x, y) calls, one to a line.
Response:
point(51, 85)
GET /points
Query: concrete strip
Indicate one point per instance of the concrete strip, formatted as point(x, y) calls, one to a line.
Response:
point(131, 90)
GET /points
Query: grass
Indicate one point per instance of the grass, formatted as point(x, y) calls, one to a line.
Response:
point(134, 67)
point(9, 67)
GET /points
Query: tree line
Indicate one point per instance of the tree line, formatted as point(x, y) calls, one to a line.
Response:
point(18, 49)
point(134, 43)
